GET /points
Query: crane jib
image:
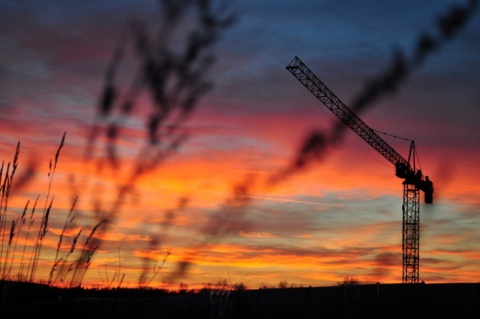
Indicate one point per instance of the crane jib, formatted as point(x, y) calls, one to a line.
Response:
point(332, 102)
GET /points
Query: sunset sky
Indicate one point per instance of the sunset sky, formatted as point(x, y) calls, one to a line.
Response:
point(339, 216)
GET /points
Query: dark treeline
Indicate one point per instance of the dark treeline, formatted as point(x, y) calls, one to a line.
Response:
point(345, 301)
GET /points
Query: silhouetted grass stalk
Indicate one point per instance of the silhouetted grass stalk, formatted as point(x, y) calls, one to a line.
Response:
point(7, 253)
point(83, 262)
point(22, 222)
point(39, 242)
point(6, 188)
point(68, 221)
point(21, 275)
point(63, 272)
point(3, 207)
point(107, 282)
point(46, 212)
point(14, 233)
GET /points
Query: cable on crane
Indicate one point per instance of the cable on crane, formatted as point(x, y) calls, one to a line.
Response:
point(417, 157)
point(405, 139)
point(391, 135)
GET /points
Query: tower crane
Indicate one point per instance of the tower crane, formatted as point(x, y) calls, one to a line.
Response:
point(413, 180)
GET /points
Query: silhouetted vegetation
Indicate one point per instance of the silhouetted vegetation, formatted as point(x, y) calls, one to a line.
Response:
point(173, 60)
point(26, 300)
point(22, 265)
point(349, 281)
point(174, 77)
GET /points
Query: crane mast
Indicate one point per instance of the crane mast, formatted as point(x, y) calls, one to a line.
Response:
point(414, 181)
